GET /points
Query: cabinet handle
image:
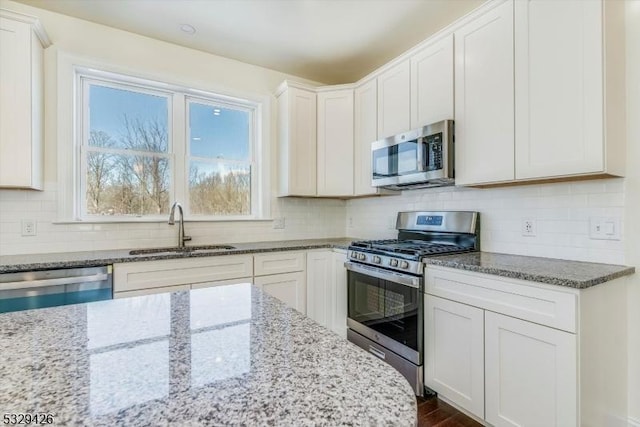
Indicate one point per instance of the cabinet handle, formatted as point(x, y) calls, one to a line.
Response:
point(376, 352)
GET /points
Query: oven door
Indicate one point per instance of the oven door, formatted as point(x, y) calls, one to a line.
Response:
point(387, 308)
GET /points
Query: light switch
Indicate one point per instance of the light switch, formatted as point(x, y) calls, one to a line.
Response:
point(604, 228)
point(609, 228)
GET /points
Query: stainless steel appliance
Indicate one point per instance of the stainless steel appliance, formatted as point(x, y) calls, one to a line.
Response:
point(50, 288)
point(416, 159)
point(385, 312)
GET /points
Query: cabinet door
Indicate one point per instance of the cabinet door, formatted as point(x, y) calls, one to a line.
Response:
point(19, 150)
point(366, 132)
point(454, 352)
point(530, 374)
point(297, 142)
point(559, 88)
point(319, 279)
point(339, 294)
point(394, 89)
point(432, 83)
point(335, 143)
point(289, 288)
point(484, 106)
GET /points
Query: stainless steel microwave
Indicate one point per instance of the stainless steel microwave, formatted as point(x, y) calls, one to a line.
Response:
point(416, 159)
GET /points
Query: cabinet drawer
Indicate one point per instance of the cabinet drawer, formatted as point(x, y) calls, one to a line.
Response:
point(516, 298)
point(118, 295)
point(277, 263)
point(156, 274)
point(221, 283)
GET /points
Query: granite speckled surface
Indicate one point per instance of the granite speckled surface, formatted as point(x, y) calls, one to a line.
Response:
point(16, 263)
point(229, 355)
point(574, 274)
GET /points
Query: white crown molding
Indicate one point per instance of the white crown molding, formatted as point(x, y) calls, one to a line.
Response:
point(35, 23)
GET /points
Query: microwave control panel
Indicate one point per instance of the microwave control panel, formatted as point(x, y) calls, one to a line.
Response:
point(434, 151)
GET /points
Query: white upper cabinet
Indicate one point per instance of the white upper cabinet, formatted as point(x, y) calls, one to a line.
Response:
point(366, 132)
point(394, 100)
point(560, 97)
point(432, 83)
point(335, 143)
point(484, 106)
point(22, 41)
point(296, 141)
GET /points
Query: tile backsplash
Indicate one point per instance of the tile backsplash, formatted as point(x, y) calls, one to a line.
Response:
point(561, 212)
point(304, 218)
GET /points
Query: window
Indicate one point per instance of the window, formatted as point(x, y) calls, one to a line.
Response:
point(144, 144)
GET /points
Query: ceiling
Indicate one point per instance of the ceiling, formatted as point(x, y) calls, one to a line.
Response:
point(329, 41)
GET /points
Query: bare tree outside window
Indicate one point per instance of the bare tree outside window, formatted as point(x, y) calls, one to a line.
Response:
point(123, 184)
point(128, 158)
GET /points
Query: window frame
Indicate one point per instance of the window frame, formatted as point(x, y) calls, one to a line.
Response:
point(178, 96)
point(252, 148)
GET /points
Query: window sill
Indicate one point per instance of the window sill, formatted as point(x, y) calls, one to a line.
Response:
point(155, 220)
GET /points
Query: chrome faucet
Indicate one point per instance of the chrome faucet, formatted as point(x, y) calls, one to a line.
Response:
point(181, 237)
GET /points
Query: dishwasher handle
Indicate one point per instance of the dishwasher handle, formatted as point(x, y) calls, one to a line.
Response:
point(23, 284)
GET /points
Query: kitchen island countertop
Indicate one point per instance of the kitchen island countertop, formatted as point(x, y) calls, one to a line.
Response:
point(228, 355)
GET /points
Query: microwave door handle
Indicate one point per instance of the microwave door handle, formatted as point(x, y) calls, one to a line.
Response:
point(420, 154)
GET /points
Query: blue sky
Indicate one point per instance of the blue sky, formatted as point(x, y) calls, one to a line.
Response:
point(221, 135)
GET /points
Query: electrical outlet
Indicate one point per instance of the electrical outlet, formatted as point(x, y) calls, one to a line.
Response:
point(350, 222)
point(278, 223)
point(528, 227)
point(28, 227)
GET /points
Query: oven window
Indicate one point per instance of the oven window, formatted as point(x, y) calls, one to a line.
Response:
point(386, 307)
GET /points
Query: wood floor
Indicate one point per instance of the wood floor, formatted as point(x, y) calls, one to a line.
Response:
point(434, 412)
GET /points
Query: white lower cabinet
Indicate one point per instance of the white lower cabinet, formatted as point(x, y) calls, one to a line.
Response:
point(531, 374)
point(313, 282)
point(454, 347)
point(519, 353)
point(289, 288)
point(339, 294)
point(136, 276)
point(327, 289)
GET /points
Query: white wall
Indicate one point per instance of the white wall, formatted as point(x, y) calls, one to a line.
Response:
point(304, 218)
point(561, 211)
point(633, 202)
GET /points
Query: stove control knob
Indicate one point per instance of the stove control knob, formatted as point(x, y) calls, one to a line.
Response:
point(362, 257)
point(354, 254)
point(377, 260)
point(393, 263)
point(404, 264)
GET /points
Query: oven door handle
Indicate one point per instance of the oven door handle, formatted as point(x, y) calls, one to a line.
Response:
point(403, 279)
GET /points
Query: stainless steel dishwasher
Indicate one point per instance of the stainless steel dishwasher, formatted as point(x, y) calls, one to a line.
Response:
point(50, 288)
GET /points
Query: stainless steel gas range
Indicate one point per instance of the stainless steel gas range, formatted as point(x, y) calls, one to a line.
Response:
point(385, 285)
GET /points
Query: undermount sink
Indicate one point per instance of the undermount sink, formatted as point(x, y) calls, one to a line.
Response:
point(178, 250)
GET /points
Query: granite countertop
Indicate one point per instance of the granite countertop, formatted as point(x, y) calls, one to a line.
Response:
point(228, 355)
point(573, 274)
point(32, 262)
